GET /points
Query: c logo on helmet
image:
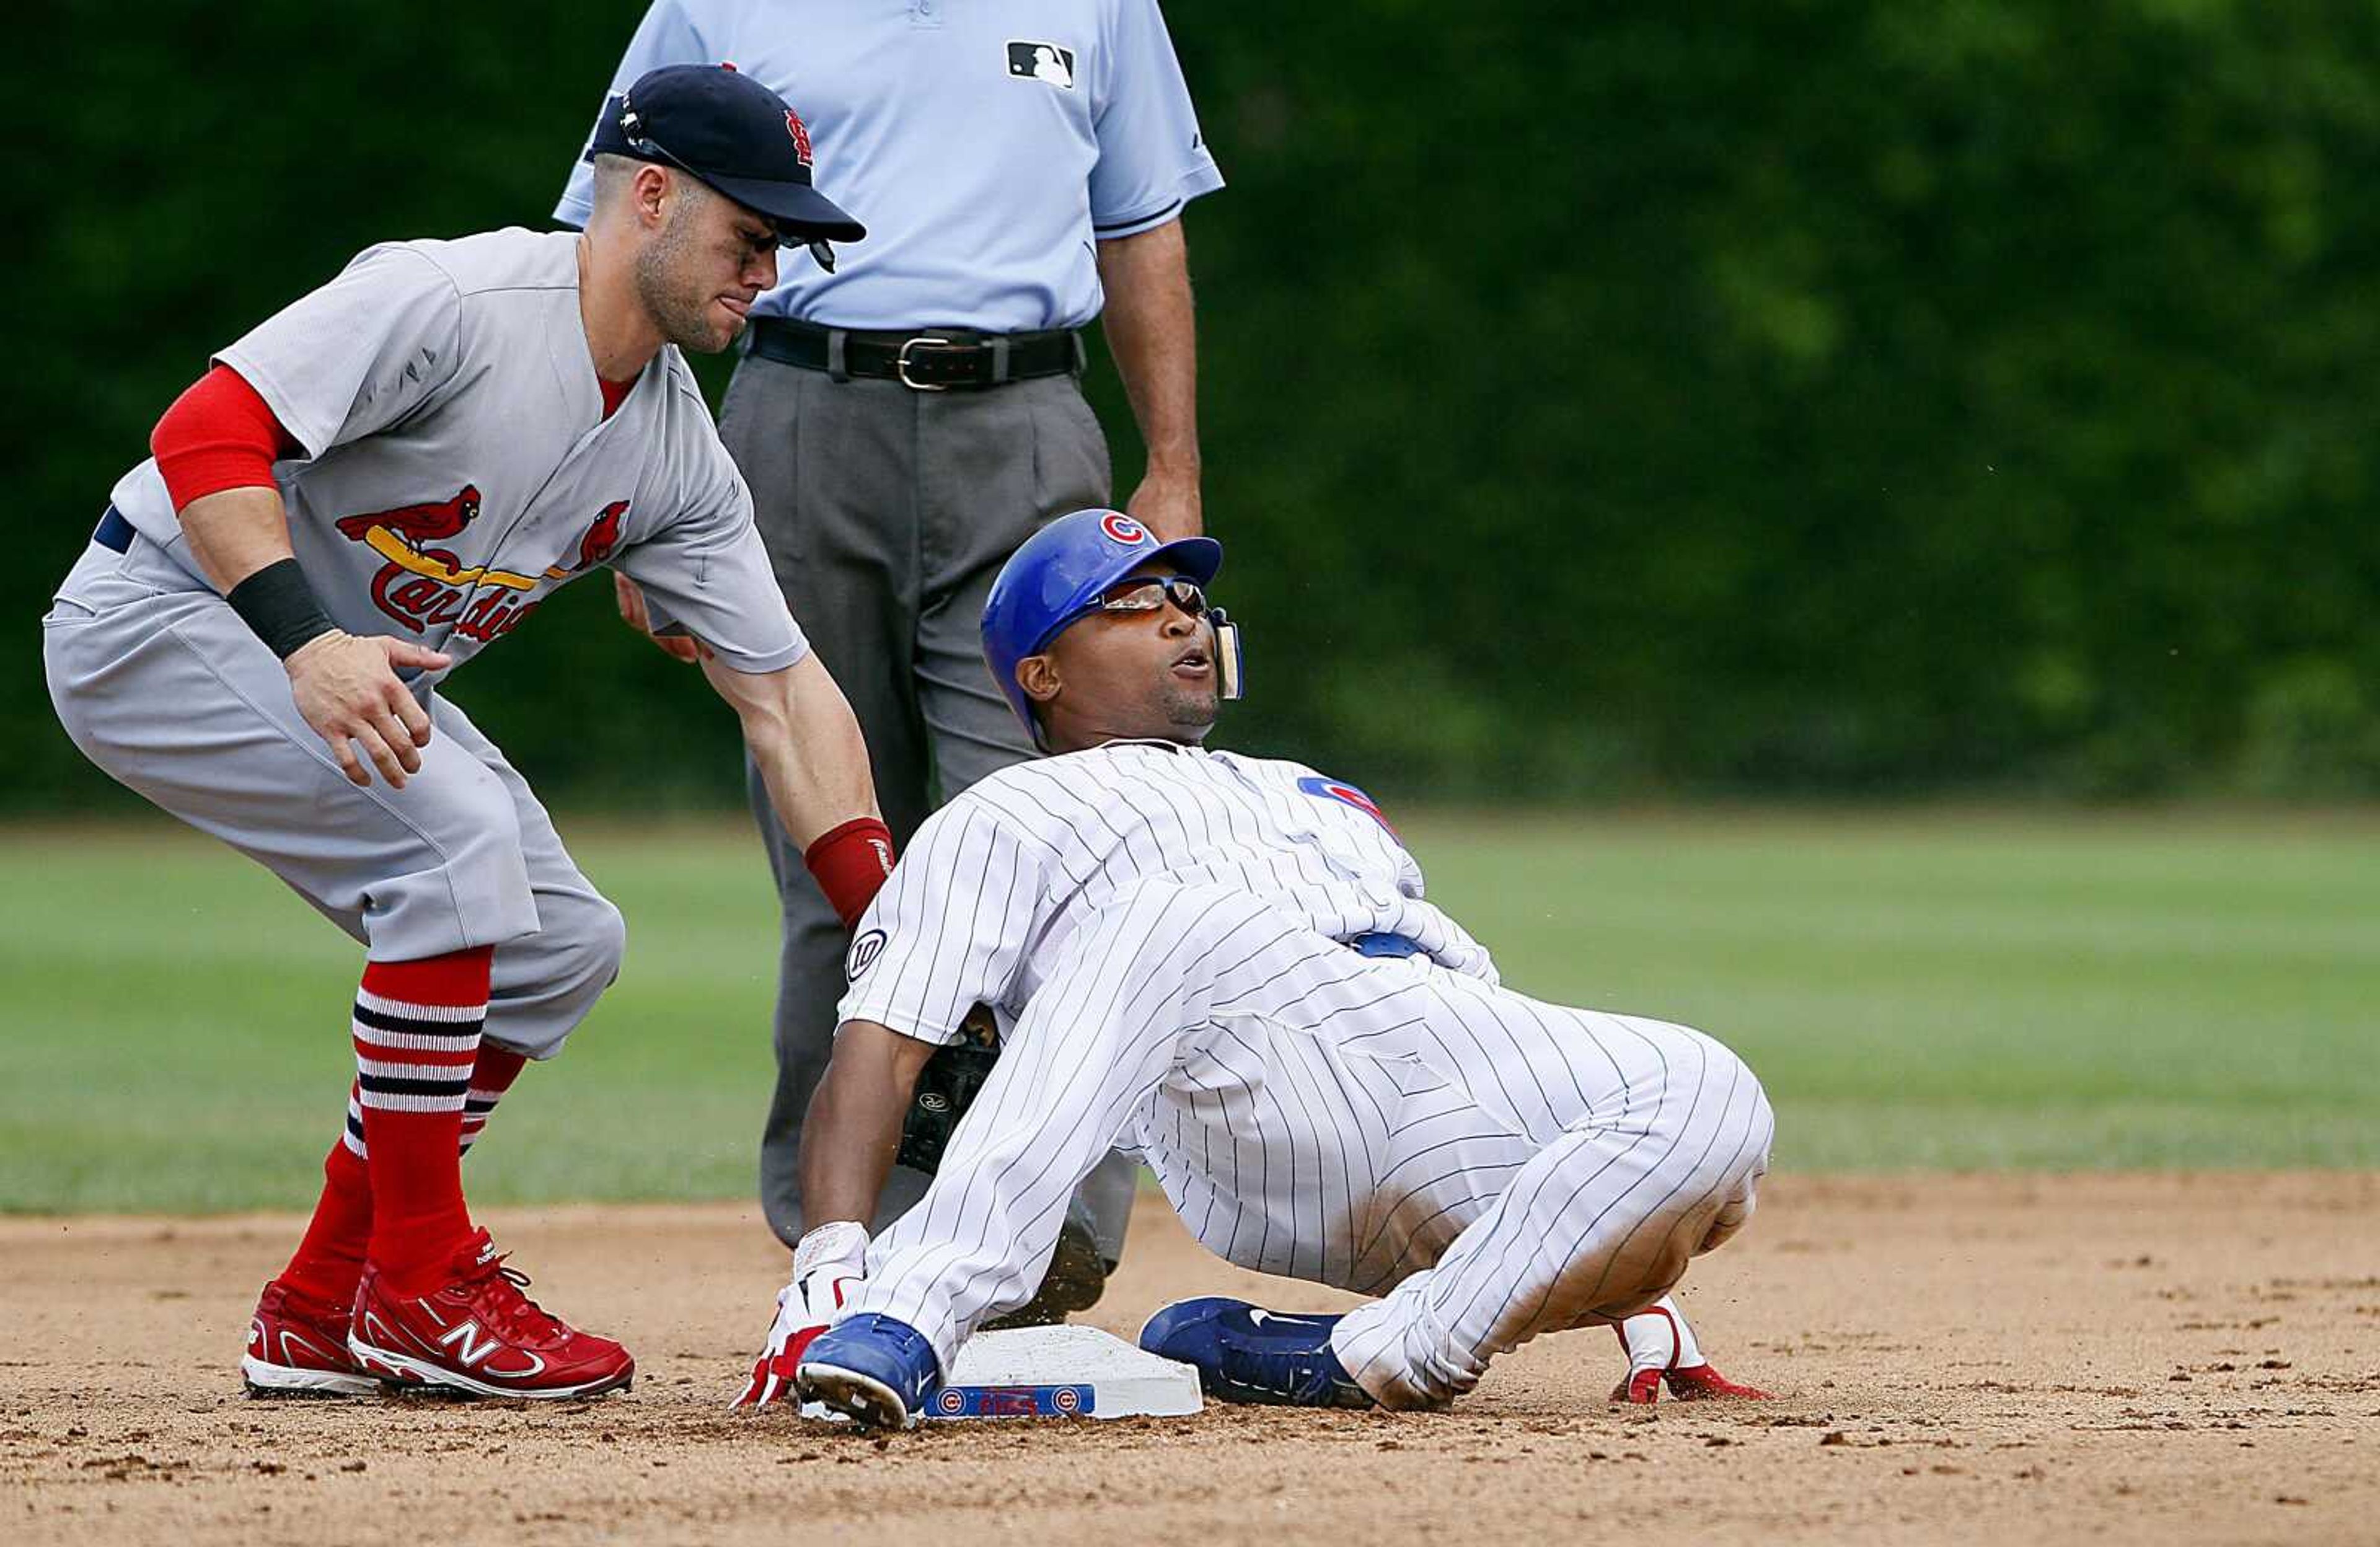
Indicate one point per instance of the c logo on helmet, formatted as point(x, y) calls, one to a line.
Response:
point(1123, 529)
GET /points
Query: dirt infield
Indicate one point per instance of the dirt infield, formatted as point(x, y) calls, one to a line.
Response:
point(2123, 1359)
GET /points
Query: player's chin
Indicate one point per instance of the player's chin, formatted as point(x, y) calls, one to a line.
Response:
point(718, 326)
point(727, 326)
point(1192, 705)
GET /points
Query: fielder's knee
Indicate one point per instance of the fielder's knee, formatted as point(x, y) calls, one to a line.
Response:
point(585, 959)
point(547, 983)
point(600, 943)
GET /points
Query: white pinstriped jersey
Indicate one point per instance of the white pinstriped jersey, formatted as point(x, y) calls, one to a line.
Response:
point(996, 883)
point(1161, 931)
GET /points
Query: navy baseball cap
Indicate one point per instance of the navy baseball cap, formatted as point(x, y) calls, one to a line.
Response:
point(735, 134)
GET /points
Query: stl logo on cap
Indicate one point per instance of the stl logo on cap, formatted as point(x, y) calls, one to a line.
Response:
point(794, 127)
point(1123, 529)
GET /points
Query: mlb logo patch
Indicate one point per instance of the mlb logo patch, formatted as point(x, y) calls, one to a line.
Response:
point(1041, 61)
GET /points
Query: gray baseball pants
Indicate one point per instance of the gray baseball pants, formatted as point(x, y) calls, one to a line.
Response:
point(161, 685)
point(887, 511)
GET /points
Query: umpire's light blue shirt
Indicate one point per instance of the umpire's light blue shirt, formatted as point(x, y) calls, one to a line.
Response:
point(985, 145)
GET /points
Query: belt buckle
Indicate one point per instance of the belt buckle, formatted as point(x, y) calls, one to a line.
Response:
point(900, 362)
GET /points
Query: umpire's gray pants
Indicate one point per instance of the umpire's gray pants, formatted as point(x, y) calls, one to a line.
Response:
point(887, 511)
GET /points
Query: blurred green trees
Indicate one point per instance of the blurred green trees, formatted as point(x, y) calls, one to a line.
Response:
point(1815, 396)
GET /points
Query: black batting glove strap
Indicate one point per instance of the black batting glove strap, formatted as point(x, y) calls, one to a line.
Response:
point(280, 608)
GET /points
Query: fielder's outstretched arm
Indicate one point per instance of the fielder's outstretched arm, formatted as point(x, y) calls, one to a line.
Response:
point(805, 742)
point(853, 1127)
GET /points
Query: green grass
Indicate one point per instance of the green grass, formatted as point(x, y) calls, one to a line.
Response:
point(1934, 989)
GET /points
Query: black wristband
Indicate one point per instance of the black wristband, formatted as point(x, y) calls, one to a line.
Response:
point(280, 608)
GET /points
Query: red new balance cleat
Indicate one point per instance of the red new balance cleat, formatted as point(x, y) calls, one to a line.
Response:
point(1693, 1383)
point(298, 1346)
point(1662, 1347)
point(478, 1334)
point(1701, 1383)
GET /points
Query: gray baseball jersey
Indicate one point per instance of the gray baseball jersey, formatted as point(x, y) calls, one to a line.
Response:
point(1166, 931)
point(458, 468)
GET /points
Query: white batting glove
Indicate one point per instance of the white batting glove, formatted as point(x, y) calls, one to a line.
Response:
point(827, 1263)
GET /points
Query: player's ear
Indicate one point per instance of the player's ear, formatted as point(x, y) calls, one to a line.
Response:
point(1037, 675)
point(649, 195)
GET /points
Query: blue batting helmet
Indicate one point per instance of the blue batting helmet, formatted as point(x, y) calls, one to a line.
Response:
point(1057, 576)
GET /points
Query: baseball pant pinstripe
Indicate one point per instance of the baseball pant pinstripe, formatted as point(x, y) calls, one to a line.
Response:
point(1499, 1165)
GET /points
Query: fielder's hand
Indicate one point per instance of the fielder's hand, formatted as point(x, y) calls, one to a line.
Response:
point(683, 647)
point(827, 1264)
point(345, 687)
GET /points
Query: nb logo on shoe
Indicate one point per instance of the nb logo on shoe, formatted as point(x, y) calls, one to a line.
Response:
point(472, 1343)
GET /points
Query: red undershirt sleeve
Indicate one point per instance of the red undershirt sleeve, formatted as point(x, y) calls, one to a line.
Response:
point(219, 435)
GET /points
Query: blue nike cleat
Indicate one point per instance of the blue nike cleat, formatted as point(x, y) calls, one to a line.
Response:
point(872, 1370)
point(1245, 1354)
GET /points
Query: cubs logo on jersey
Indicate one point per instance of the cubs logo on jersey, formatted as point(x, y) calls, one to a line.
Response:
point(1346, 795)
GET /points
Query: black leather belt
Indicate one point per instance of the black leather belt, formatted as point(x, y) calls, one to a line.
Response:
point(114, 532)
point(931, 361)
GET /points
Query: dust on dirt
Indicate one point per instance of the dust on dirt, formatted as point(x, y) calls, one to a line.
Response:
point(2120, 1358)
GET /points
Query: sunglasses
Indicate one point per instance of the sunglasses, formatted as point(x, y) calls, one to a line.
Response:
point(1149, 594)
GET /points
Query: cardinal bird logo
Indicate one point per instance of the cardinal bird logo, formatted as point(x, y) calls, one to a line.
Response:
point(407, 536)
point(424, 585)
point(418, 524)
point(601, 537)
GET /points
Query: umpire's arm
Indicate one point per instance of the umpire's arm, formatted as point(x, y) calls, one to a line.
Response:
point(852, 1129)
point(1152, 335)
